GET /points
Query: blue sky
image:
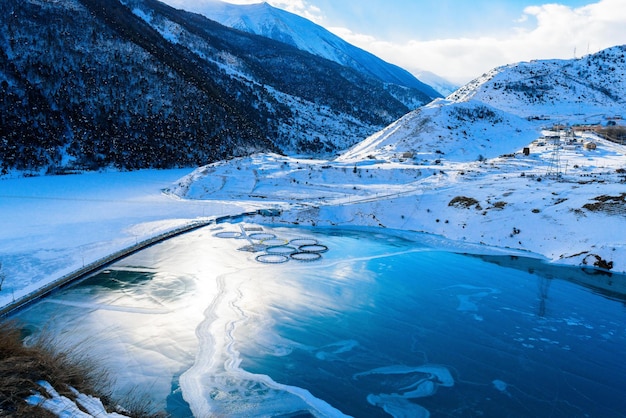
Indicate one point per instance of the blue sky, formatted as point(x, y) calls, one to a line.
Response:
point(402, 20)
point(462, 39)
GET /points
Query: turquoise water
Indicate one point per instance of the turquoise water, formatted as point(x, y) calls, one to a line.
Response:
point(379, 326)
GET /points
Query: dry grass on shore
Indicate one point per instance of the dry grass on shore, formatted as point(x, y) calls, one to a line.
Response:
point(21, 367)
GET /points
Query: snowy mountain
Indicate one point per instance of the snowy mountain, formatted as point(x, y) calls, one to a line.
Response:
point(465, 131)
point(87, 84)
point(583, 90)
point(265, 20)
point(440, 84)
point(504, 109)
point(488, 171)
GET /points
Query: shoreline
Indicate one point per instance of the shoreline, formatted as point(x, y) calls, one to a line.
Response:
point(53, 223)
point(433, 242)
point(91, 268)
point(88, 270)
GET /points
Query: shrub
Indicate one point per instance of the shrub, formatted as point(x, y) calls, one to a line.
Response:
point(608, 204)
point(21, 367)
point(598, 262)
point(464, 202)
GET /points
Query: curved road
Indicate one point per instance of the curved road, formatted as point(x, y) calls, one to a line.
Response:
point(110, 259)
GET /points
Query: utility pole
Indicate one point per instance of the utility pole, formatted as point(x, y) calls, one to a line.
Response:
point(2, 277)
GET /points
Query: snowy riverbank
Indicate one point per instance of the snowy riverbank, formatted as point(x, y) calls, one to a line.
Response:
point(54, 225)
point(571, 213)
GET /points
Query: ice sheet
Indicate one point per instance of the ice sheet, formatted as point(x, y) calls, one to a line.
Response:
point(216, 384)
point(235, 337)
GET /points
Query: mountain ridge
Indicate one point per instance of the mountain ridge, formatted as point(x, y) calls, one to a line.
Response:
point(89, 84)
point(505, 109)
point(283, 26)
point(591, 85)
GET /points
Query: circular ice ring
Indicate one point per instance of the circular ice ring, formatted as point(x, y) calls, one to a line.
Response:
point(306, 256)
point(274, 242)
point(261, 236)
point(228, 234)
point(313, 248)
point(281, 249)
point(303, 241)
point(272, 258)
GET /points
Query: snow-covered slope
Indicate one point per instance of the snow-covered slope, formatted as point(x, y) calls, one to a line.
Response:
point(443, 86)
point(509, 203)
point(505, 109)
point(466, 131)
point(572, 91)
point(265, 20)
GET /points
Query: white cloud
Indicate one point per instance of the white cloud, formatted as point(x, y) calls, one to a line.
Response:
point(541, 32)
point(550, 31)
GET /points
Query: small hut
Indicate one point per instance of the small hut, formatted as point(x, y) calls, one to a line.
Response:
point(590, 145)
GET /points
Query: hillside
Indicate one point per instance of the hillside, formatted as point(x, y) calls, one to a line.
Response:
point(504, 110)
point(584, 90)
point(487, 167)
point(265, 20)
point(88, 84)
point(535, 191)
point(464, 131)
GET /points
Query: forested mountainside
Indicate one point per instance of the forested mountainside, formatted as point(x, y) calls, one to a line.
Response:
point(281, 25)
point(96, 83)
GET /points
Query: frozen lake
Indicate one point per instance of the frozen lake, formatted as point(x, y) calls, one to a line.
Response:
point(378, 326)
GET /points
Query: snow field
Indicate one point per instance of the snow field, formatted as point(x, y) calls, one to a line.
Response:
point(519, 204)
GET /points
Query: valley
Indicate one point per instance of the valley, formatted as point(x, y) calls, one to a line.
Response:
point(124, 122)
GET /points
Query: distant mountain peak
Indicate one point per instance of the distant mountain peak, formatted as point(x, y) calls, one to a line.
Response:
point(87, 84)
point(266, 20)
